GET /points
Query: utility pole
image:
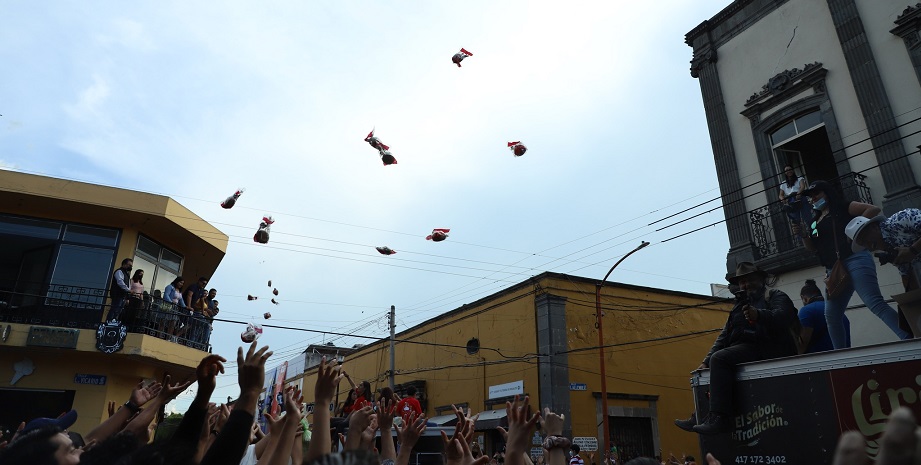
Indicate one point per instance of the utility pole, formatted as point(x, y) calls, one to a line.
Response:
point(605, 428)
point(393, 341)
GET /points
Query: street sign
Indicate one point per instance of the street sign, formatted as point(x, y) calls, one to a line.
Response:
point(97, 380)
point(588, 444)
point(578, 387)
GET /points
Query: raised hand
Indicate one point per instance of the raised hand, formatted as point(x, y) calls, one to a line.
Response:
point(520, 429)
point(170, 391)
point(328, 376)
point(386, 410)
point(551, 423)
point(143, 394)
point(251, 369)
point(358, 421)
point(411, 430)
point(367, 435)
point(206, 373)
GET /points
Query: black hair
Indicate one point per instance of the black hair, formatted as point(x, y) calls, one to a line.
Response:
point(122, 444)
point(367, 390)
point(810, 289)
point(689, 458)
point(386, 394)
point(837, 206)
point(32, 448)
point(575, 448)
point(175, 282)
point(125, 261)
point(411, 391)
point(348, 399)
point(138, 277)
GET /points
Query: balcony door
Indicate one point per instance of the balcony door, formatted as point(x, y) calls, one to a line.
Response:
point(803, 143)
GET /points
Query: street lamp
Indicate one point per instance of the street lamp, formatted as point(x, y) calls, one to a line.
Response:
point(606, 440)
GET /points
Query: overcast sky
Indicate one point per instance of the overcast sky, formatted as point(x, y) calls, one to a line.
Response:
point(194, 101)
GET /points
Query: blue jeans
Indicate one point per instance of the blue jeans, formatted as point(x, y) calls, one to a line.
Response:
point(862, 269)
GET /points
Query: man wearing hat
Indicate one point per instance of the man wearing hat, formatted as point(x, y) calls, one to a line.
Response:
point(899, 236)
point(761, 325)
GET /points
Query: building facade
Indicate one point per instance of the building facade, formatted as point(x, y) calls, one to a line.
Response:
point(828, 87)
point(539, 338)
point(61, 242)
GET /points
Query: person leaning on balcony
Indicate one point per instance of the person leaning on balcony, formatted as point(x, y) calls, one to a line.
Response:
point(120, 288)
point(761, 325)
point(791, 195)
point(826, 237)
point(173, 295)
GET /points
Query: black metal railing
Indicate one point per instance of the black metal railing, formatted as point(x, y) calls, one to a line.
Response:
point(772, 231)
point(81, 307)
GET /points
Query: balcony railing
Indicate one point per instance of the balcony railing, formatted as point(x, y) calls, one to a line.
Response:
point(80, 307)
point(772, 231)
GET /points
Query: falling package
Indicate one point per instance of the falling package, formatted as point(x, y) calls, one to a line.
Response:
point(262, 235)
point(517, 148)
point(385, 250)
point(229, 202)
point(459, 57)
point(251, 333)
point(438, 235)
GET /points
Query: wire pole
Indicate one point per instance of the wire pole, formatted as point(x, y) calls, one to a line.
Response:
point(604, 379)
point(393, 342)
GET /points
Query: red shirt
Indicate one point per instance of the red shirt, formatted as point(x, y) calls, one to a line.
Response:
point(407, 406)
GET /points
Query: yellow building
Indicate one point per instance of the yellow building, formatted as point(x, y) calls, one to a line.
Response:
point(539, 338)
point(61, 242)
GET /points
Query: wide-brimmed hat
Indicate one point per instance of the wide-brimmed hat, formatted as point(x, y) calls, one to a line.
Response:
point(856, 225)
point(64, 421)
point(745, 269)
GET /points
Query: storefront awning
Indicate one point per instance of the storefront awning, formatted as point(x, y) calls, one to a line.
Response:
point(443, 420)
point(490, 419)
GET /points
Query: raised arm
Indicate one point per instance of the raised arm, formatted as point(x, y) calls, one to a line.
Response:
point(327, 380)
point(139, 397)
point(863, 209)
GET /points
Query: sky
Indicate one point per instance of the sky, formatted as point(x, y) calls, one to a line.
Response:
point(192, 100)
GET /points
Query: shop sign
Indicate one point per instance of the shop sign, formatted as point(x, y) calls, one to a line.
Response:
point(578, 387)
point(588, 444)
point(97, 380)
point(63, 338)
point(507, 389)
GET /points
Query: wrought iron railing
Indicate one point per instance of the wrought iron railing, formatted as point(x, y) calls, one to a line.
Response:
point(772, 231)
point(81, 307)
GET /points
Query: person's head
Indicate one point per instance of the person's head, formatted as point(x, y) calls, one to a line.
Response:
point(789, 173)
point(212, 293)
point(353, 395)
point(750, 278)
point(127, 263)
point(810, 292)
point(364, 389)
point(138, 276)
point(202, 281)
point(411, 391)
point(47, 445)
point(865, 233)
point(823, 196)
point(178, 282)
point(575, 449)
point(215, 302)
point(386, 394)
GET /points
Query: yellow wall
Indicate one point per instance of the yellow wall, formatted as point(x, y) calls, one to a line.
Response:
point(142, 358)
point(506, 321)
point(451, 375)
point(659, 368)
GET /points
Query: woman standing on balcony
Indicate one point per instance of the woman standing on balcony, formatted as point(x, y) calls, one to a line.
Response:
point(137, 284)
point(791, 196)
point(826, 238)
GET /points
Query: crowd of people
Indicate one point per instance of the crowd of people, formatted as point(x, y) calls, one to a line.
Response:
point(764, 323)
point(175, 314)
point(210, 434)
